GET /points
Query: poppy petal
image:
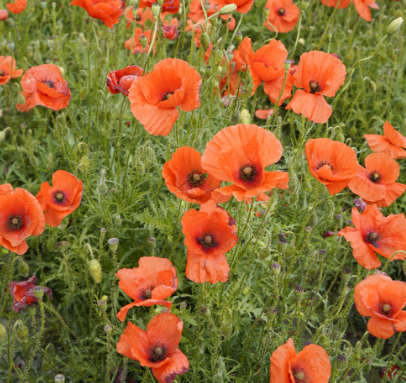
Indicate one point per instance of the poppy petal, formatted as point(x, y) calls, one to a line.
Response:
point(400, 321)
point(122, 314)
point(178, 364)
point(280, 362)
point(381, 328)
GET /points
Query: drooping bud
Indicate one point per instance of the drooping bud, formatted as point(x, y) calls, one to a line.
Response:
point(218, 378)
point(102, 187)
point(83, 93)
point(314, 219)
point(346, 276)
point(218, 57)
point(394, 25)
point(290, 250)
point(23, 269)
point(95, 270)
point(205, 40)
point(324, 341)
point(340, 137)
point(228, 9)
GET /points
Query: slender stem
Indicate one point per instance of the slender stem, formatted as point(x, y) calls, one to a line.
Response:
point(328, 24)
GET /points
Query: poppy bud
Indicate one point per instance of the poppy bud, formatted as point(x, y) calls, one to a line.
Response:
point(22, 332)
point(3, 333)
point(102, 304)
point(102, 187)
point(83, 93)
point(204, 310)
point(346, 276)
point(51, 43)
point(293, 198)
point(43, 4)
point(218, 57)
point(287, 64)
point(299, 292)
point(10, 45)
point(341, 362)
point(246, 290)
point(143, 41)
point(290, 250)
point(84, 163)
point(266, 12)
point(95, 270)
point(218, 378)
point(353, 131)
point(183, 306)
point(113, 243)
point(309, 188)
point(228, 9)
point(308, 229)
point(117, 220)
point(244, 117)
point(340, 137)
point(155, 10)
point(108, 329)
point(226, 329)
point(133, 3)
point(304, 5)
point(62, 246)
point(302, 41)
point(350, 55)
point(59, 378)
point(263, 254)
point(276, 268)
point(394, 25)
point(46, 366)
point(205, 40)
point(31, 309)
point(23, 269)
point(314, 219)
point(324, 341)
point(238, 37)
point(329, 35)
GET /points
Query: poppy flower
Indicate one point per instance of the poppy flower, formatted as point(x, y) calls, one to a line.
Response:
point(61, 199)
point(134, 43)
point(362, 7)
point(170, 6)
point(119, 81)
point(17, 7)
point(3, 14)
point(263, 114)
point(8, 69)
point(231, 24)
point(196, 12)
point(154, 98)
point(44, 85)
point(143, 14)
point(327, 234)
point(20, 217)
point(391, 143)
point(332, 163)
point(267, 65)
point(23, 294)
point(157, 347)
point(108, 11)
point(382, 299)
point(376, 182)
point(283, 15)
point(243, 6)
point(170, 28)
point(312, 364)
point(333, 3)
point(154, 280)
point(208, 236)
point(320, 74)
point(374, 233)
point(239, 154)
point(186, 178)
point(229, 84)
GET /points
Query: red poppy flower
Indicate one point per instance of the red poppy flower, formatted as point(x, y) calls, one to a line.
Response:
point(119, 81)
point(8, 69)
point(3, 14)
point(62, 199)
point(170, 6)
point(263, 114)
point(376, 182)
point(20, 217)
point(229, 84)
point(154, 280)
point(170, 28)
point(332, 163)
point(239, 154)
point(208, 236)
point(362, 7)
point(391, 143)
point(196, 12)
point(17, 7)
point(157, 347)
point(231, 24)
point(312, 364)
point(374, 233)
point(382, 299)
point(154, 98)
point(108, 11)
point(135, 44)
point(333, 3)
point(23, 294)
point(266, 65)
point(243, 6)
point(143, 14)
point(320, 74)
point(283, 15)
point(44, 85)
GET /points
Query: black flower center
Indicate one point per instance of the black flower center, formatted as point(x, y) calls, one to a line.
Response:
point(314, 86)
point(146, 293)
point(59, 196)
point(386, 308)
point(375, 177)
point(158, 352)
point(281, 11)
point(196, 178)
point(207, 240)
point(167, 95)
point(14, 222)
point(248, 173)
point(373, 238)
point(138, 17)
point(50, 83)
point(323, 163)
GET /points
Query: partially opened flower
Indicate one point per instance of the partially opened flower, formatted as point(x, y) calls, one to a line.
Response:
point(382, 299)
point(312, 364)
point(17, 7)
point(170, 28)
point(8, 69)
point(332, 163)
point(170, 6)
point(239, 154)
point(20, 217)
point(376, 183)
point(157, 347)
point(133, 44)
point(333, 3)
point(362, 7)
point(44, 85)
point(120, 80)
point(320, 74)
point(374, 233)
point(283, 15)
point(108, 11)
point(3, 14)
point(391, 143)
point(61, 199)
point(154, 98)
point(154, 280)
point(143, 14)
point(243, 6)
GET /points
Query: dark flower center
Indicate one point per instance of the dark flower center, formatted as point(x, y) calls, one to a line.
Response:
point(314, 86)
point(248, 173)
point(50, 83)
point(138, 17)
point(167, 95)
point(375, 177)
point(281, 11)
point(207, 240)
point(158, 352)
point(14, 222)
point(59, 196)
point(196, 178)
point(146, 293)
point(2, 73)
point(373, 238)
point(386, 308)
point(299, 376)
point(323, 163)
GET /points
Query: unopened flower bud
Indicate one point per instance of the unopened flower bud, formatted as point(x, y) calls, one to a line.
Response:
point(23, 269)
point(394, 25)
point(205, 40)
point(324, 341)
point(299, 292)
point(308, 229)
point(83, 93)
point(59, 378)
point(10, 45)
point(218, 57)
point(228, 9)
point(95, 270)
point(302, 41)
point(238, 37)
point(244, 117)
point(117, 220)
point(155, 10)
point(102, 187)
point(246, 290)
point(304, 5)
point(3, 333)
point(108, 329)
point(226, 329)
point(314, 219)
point(289, 251)
point(276, 268)
point(113, 243)
point(22, 332)
point(102, 304)
point(143, 41)
point(340, 137)
point(341, 362)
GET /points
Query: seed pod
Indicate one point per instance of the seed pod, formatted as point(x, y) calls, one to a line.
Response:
point(32, 310)
point(102, 305)
point(95, 270)
point(266, 12)
point(299, 292)
point(341, 362)
point(238, 37)
point(346, 276)
point(304, 5)
point(263, 253)
point(23, 269)
point(22, 332)
point(155, 10)
point(276, 268)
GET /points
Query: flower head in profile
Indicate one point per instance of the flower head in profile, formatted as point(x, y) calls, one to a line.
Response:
point(382, 299)
point(362, 7)
point(155, 97)
point(243, 6)
point(133, 44)
point(17, 7)
point(61, 199)
point(3, 14)
point(283, 15)
point(143, 14)
point(8, 69)
point(108, 11)
point(44, 85)
point(157, 347)
point(312, 364)
point(333, 3)
point(120, 80)
point(20, 217)
point(169, 6)
point(374, 233)
point(154, 280)
point(239, 154)
point(391, 143)
point(332, 163)
point(319, 74)
point(376, 183)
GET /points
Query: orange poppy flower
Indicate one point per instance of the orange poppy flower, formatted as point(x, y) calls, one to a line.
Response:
point(231, 24)
point(266, 65)
point(239, 154)
point(157, 347)
point(186, 178)
point(17, 7)
point(62, 199)
point(119, 81)
point(333, 3)
point(108, 11)
point(332, 163)
point(44, 85)
point(391, 143)
point(374, 233)
point(382, 299)
point(154, 280)
point(320, 74)
point(376, 182)
point(170, 6)
point(283, 15)
point(20, 217)
point(143, 14)
point(8, 69)
point(154, 98)
point(170, 28)
point(362, 7)
point(3, 14)
point(196, 12)
point(263, 114)
point(243, 6)
point(135, 43)
point(312, 364)
point(208, 236)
